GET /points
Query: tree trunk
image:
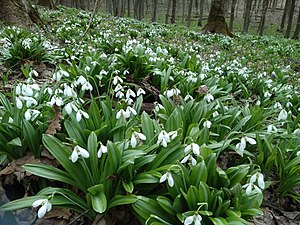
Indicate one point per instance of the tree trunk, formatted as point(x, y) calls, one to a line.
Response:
point(216, 19)
point(189, 17)
point(232, 12)
point(183, 11)
point(285, 12)
point(263, 17)
point(297, 30)
point(173, 16)
point(290, 19)
point(128, 8)
point(154, 11)
point(47, 3)
point(201, 10)
point(247, 16)
point(168, 12)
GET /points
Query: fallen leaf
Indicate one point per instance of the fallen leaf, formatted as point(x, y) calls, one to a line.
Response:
point(59, 213)
point(54, 125)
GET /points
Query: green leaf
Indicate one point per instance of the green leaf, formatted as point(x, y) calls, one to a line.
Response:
point(15, 142)
point(218, 221)
point(21, 203)
point(99, 202)
point(128, 186)
point(122, 200)
point(50, 173)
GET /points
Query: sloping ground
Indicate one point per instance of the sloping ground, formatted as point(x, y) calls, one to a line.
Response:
point(245, 94)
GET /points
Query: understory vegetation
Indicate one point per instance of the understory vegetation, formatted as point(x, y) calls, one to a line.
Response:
point(180, 127)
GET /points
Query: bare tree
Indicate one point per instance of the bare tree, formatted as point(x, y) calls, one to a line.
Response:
point(216, 19)
point(189, 17)
point(290, 19)
point(263, 17)
point(168, 11)
point(201, 10)
point(247, 15)
point(297, 30)
point(232, 12)
point(183, 11)
point(173, 15)
point(154, 11)
point(285, 13)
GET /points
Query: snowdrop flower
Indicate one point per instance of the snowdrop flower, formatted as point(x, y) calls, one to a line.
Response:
point(81, 80)
point(298, 153)
point(81, 113)
point(48, 90)
point(277, 105)
point(192, 147)
point(190, 158)
point(33, 72)
point(249, 187)
point(119, 94)
point(158, 106)
point(27, 90)
point(188, 97)
point(215, 114)
point(260, 179)
point(209, 97)
point(31, 114)
point(289, 104)
point(68, 91)
point(130, 93)
point(46, 206)
point(140, 91)
point(102, 150)
point(122, 113)
point(271, 128)
point(10, 120)
point(136, 137)
point(19, 103)
point(87, 86)
point(70, 107)
point(207, 124)
point(167, 176)
point(29, 101)
point(282, 115)
point(196, 219)
point(164, 138)
point(242, 145)
point(56, 100)
point(117, 79)
point(79, 151)
point(87, 68)
point(118, 88)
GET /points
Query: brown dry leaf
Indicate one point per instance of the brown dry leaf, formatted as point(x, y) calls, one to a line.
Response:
point(59, 213)
point(203, 89)
point(54, 125)
point(7, 170)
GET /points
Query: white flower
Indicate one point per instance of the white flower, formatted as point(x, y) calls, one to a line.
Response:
point(116, 80)
point(188, 98)
point(242, 145)
point(87, 87)
point(79, 151)
point(282, 115)
point(118, 88)
point(68, 91)
point(195, 218)
point(119, 94)
point(209, 97)
point(81, 113)
point(298, 153)
point(136, 137)
point(81, 80)
point(102, 150)
point(140, 91)
point(194, 147)
point(56, 100)
point(129, 93)
point(27, 115)
point(167, 176)
point(46, 206)
point(190, 158)
point(260, 179)
point(19, 103)
point(271, 128)
point(158, 106)
point(249, 188)
point(68, 108)
point(207, 124)
point(33, 72)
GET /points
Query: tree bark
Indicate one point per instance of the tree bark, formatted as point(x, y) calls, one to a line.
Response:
point(290, 19)
point(297, 30)
point(263, 17)
point(11, 13)
point(168, 12)
point(154, 11)
point(201, 10)
point(183, 11)
point(285, 13)
point(189, 17)
point(216, 19)
point(173, 15)
point(232, 12)
point(247, 15)
point(128, 8)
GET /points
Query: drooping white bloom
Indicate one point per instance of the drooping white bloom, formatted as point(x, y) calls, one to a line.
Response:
point(282, 115)
point(117, 79)
point(242, 145)
point(46, 206)
point(260, 179)
point(164, 137)
point(136, 137)
point(207, 124)
point(56, 100)
point(79, 151)
point(209, 97)
point(140, 91)
point(196, 219)
point(272, 128)
point(130, 93)
point(81, 80)
point(81, 113)
point(249, 187)
point(87, 86)
point(190, 158)
point(167, 176)
point(102, 150)
point(194, 147)
point(122, 112)
point(33, 72)
point(19, 103)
